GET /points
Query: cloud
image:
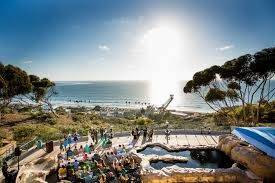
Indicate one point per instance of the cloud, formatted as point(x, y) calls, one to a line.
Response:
point(27, 62)
point(224, 48)
point(103, 48)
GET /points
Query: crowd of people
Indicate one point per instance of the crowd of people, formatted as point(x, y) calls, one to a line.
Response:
point(94, 162)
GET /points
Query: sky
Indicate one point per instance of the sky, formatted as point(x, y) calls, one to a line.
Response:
point(130, 40)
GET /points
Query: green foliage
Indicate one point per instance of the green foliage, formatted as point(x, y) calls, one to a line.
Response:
point(143, 121)
point(215, 94)
point(44, 117)
point(60, 110)
point(40, 87)
point(233, 85)
point(129, 115)
point(13, 82)
point(26, 132)
point(97, 108)
point(239, 80)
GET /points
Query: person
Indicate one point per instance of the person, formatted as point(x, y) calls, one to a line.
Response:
point(112, 157)
point(62, 172)
point(145, 132)
point(111, 135)
point(65, 143)
point(5, 168)
point(76, 164)
point(75, 137)
point(151, 133)
point(134, 134)
point(75, 151)
point(92, 147)
point(61, 148)
point(124, 148)
point(59, 156)
point(95, 134)
point(69, 139)
point(105, 134)
point(85, 157)
point(87, 149)
point(167, 133)
point(69, 153)
point(137, 131)
point(101, 131)
point(93, 164)
point(81, 150)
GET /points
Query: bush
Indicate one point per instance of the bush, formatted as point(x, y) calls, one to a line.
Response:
point(97, 108)
point(47, 133)
point(26, 132)
point(60, 110)
point(23, 132)
point(143, 121)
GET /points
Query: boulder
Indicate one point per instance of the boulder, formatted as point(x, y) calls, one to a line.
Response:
point(259, 163)
point(253, 159)
point(36, 171)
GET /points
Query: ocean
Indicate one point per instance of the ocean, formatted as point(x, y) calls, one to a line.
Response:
point(137, 94)
point(116, 93)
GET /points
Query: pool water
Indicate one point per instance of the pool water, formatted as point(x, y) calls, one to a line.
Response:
point(204, 158)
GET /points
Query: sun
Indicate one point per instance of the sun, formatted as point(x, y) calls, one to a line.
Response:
point(163, 48)
point(162, 42)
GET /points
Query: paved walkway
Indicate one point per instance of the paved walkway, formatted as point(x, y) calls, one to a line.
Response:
point(180, 139)
point(174, 140)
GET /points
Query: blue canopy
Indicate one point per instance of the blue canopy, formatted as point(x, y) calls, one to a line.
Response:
point(262, 138)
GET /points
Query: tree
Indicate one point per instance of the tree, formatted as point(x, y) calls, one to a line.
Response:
point(42, 92)
point(13, 82)
point(16, 85)
point(242, 81)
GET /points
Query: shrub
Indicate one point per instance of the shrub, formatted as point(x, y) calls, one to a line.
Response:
point(143, 121)
point(60, 110)
point(97, 108)
point(47, 133)
point(23, 132)
point(27, 132)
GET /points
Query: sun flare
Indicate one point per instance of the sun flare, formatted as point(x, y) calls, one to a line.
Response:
point(163, 49)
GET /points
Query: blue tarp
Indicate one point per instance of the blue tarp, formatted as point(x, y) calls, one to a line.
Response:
point(262, 138)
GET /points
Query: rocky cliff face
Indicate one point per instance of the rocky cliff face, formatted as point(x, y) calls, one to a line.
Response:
point(248, 156)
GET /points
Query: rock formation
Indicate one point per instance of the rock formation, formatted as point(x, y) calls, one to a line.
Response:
point(36, 172)
point(248, 156)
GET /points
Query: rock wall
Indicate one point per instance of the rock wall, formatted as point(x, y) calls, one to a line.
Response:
point(248, 156)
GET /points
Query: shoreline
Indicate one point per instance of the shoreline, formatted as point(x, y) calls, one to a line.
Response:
point(127, 108)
